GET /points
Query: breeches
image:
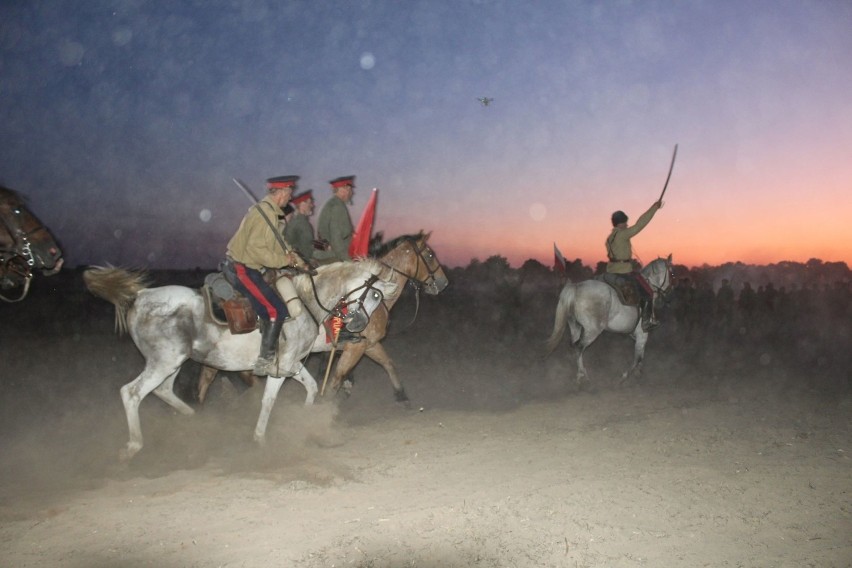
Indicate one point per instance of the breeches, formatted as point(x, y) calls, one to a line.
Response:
point(263, 298)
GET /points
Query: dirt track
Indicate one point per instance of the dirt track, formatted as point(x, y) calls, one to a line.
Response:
point(726, 463)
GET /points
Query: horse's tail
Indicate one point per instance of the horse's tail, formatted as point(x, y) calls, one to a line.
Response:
point(566, 302)
point(117, 286)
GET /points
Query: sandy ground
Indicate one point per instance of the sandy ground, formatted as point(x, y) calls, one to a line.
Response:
point(501, 462)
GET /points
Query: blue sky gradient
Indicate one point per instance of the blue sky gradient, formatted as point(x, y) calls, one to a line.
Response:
point(124, 122)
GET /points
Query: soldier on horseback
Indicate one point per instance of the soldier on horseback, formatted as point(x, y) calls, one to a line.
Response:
point(620, 254)
point(257, 246)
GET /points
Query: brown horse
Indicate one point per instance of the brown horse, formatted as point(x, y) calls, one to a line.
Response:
point(411, 259)
point(25, 244)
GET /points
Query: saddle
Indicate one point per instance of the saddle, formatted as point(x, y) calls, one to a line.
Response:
point(226, 306)
point(625, 286)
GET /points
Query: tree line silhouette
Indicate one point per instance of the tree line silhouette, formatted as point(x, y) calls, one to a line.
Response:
point(724, 318)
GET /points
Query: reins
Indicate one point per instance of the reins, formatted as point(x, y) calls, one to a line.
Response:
point(337, 310)
point(668, 279)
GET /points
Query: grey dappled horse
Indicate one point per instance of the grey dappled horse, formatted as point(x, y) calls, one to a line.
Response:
point(591, 307)
point(170, 324)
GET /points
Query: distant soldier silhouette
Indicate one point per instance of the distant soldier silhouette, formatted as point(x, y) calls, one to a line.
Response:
point(725, 305)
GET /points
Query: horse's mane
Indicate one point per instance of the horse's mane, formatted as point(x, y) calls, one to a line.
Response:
point(346, 270)
point(383, 248)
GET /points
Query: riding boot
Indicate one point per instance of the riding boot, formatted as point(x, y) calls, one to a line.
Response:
point(649, 322)
point(270, 332)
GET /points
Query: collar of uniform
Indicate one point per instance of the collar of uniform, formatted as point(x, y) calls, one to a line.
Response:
point(271, 202)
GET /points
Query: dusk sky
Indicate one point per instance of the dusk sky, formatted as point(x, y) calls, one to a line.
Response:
point(124, 122)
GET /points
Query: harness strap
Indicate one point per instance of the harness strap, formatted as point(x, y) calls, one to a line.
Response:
point(611, 255)
point(275, 232)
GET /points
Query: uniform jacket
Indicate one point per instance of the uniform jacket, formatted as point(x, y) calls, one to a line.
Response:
point(618, 248)
point(254, 244)
point(335, 226)
point(300, 234)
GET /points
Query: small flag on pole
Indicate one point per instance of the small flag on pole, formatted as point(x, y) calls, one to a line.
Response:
point(360, 245)
point(559, 264)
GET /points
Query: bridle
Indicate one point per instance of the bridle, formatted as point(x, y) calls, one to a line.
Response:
point(19, 259)
point(667, 285)
point(21, 238)
point(420, 251)
point(343, 308)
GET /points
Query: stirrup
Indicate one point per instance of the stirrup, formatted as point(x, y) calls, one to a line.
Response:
point(263, 366)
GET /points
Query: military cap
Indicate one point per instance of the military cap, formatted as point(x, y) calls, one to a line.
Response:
point(304, 196)
point(281, 182)
point(341, 181)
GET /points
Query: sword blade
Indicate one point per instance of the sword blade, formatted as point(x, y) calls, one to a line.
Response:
point(668, 177)
point(246, 190)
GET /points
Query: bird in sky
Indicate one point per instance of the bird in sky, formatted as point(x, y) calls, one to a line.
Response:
point(485, 101)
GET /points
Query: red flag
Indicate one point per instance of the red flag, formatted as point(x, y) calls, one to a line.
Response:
point(360, 245)
point(559, 264)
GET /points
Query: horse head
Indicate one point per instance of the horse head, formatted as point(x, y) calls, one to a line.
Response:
point(660, 275)
point(349, 290)
point(411, 256)
point(25, 236)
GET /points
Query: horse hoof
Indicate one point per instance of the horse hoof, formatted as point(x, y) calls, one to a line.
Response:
point(402, 398)
point(126, 454)
point(345, 390)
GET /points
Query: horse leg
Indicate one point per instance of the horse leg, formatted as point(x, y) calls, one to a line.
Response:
point(377, 353)
point(349, 357)
point(587, 336)
point(307, 380)
point(270, 393)
point(582, 376)
point(205, 379)
point(248, 378)
point(165, 392)
point(640, 339)
point(132, 394)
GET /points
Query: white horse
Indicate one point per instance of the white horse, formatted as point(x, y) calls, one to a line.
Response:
point(170, 324)
point(591, 307)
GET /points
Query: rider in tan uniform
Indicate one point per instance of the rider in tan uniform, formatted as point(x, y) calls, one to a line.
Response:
point(620, 254)
point(253, 249)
